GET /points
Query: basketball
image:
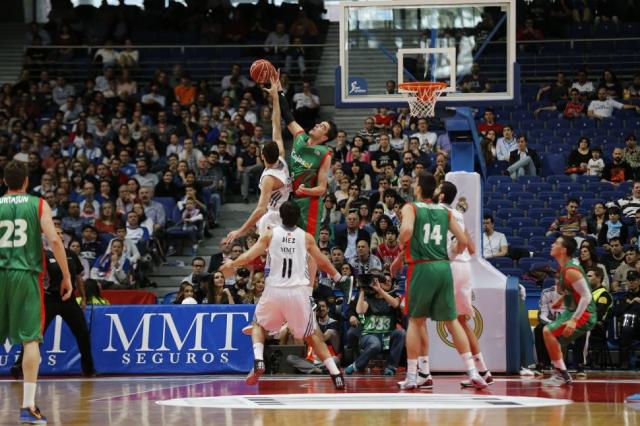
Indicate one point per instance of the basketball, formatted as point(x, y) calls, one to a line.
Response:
point(262, 70)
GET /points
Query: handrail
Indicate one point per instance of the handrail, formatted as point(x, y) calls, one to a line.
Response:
point(170, 46)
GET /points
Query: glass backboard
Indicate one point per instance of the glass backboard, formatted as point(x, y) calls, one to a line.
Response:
point(468, 44)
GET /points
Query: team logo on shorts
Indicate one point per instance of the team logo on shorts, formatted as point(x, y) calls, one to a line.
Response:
point(478, 326)
point(462, 206)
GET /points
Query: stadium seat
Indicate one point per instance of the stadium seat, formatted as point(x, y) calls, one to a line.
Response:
point(526, 180)
point(527, 262)
point(508, 213)
point(541, 244)
point(501, 262)
point(496, 180)
point(514, 272)
point(569, 188)
point(530, 231)
point(506, 230)
point(539, 212)
point(497, 205)
point(536, 187)
point(509, 187)
point(588, 203)
point(518, 222)
point(581, 195)
point(516, 241)
point(527, 204)
point(559, 178)
point(548, 195)
point(553, 164)
point(612, 195)
point(598, 187)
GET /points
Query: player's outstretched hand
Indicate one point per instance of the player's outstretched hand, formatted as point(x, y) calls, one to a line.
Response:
point(231, 237)
point(226, 270)
point(66, 289)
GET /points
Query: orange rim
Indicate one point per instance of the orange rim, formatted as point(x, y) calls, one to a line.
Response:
point(426, 90)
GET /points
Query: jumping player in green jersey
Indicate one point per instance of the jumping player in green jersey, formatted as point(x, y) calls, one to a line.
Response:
point(579, 315)
point(429, 288)
point(23, 218)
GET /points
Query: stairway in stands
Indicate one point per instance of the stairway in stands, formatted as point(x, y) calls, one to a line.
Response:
point(169, 278)
point(12, 36)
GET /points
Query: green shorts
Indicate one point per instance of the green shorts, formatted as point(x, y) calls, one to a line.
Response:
point(430, 291)
point(21, 306)
point(586, 323)
point(310, 214)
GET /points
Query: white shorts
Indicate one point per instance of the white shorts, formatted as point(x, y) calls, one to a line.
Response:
point(270, 220)
point(292, 305)
point(461, 272)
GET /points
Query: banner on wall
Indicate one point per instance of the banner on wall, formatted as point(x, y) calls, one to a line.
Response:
point(150, 339)
point(489, 286)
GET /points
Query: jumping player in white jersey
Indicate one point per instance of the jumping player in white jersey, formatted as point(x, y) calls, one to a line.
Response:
point(461, 271)
point(275, 183)
point(286, 295)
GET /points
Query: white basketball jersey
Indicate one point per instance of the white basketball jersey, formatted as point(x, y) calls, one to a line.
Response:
point(464, 256)
point(287, 258)
point(280, 195)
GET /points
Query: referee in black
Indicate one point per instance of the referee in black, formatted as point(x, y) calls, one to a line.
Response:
point(69, 310)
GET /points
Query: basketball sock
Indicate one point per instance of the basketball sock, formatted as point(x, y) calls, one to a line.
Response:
point(479, 360)
point(330, 363)
point(28, 395)
point(412, 367)
point(467, 358)
point(423, 365)
point(258, 351)
point(559, 364)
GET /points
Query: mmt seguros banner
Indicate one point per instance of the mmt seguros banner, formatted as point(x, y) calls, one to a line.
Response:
point(149, 339)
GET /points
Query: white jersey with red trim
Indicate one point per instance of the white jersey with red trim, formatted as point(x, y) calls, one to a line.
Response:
point(287, 258)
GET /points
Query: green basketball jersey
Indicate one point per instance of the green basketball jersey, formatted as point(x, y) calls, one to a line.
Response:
point(305, 161)
point(20, 233)
point(429, 239)
point(571, 298)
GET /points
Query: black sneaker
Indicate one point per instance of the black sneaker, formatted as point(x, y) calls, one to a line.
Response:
point(338, 381)
point(255, 373)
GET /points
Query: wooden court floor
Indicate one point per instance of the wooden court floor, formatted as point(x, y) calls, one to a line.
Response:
point(597, 400)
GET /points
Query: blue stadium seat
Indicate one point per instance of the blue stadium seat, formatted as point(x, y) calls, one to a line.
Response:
point(612, 195)
point(526, 262)
point(168, 298)
point(553, 164)
point(584, 123)
point(611, 123)
point(488, 196)
point(497, 205)
point(536, 187)
point(541, 245)
point(518, 222)
point(530, 231)
point(518, 195)
point(548, 195)
point(588, 203)
point(501, 262)
point(556, 203)
point(559, 178)
point(569, 188)
point(559, 148)
point(515, 241)
point(581, 195)
point(509, 187)
point(527, 204)
point(625, 187)
point(506, 214)
point(539, 212)
point(514, 272)
point(496, 180)
point(506, 230)
point(546, 221)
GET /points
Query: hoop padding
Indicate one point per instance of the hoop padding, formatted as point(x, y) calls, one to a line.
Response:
point(422, 96)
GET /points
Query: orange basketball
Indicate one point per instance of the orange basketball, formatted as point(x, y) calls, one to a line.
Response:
point(262, 70)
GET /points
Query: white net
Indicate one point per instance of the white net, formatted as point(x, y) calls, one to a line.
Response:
point(422, 101)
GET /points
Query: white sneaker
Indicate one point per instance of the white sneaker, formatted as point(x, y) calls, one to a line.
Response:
point(488, 379)
point(525, 372)
point(476, 381)
point(423, 381)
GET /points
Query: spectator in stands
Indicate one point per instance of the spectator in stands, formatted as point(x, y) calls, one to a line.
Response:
point(277, 44)
point(631, 154)
point(494, 243)
point(548, 311)
point(186, 291)
point(490, 123)
point(217, 293)
point(595, 165)
point(106, 55)
point(529, 33)
point(154, 99)
point(596, 220)
point(610, 82)
point(584, 86)
point(398, 140)
point(524, 161)
point(440, 168)
point(73, 223)
point(574, 108)
point(381, 226)
point(235, 80)
point(384, 119)
point(62, 91)
point(248, 164)
point(380, 310)
point(475, 82)
point(369, 134)
point(556, 94)
point(505, 145)
point(602, 107)
point(135, 232)
point(633, 90)
point(185, 92)
point(630, 204)
point(427, 140)
point(628, 305)
point(152, 209)
point(619, 280)
point(112, 270)
point(106, 83)
point(573, 224)
point(634, 230)
point(190, 154)
point(128, 57)
point(405, 191)
point(588, 259)
point(144, 178)
point(488, 147)
point(306, 105)
point(296, 54)
point(615, 256)
point(347, 238)
point(389, 249)
point(257, 288)
point(617, 171)
point(384, 155)
point(612, 228)
point(578, 161)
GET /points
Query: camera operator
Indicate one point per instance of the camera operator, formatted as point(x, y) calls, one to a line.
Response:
point(379, 309)
point(627, 310)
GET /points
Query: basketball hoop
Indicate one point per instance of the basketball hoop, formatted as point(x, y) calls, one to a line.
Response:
point(422, 96)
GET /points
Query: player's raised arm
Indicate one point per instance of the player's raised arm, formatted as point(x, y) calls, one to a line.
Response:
point(57, 247)
point(256, 250)
point(258, 212)
point(276, 116)
point(283, 106)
